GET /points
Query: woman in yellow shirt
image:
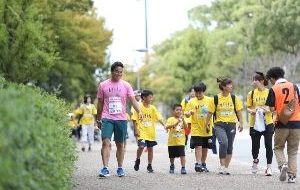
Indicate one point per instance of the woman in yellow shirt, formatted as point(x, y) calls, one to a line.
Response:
point(176, 140)
point(144, 128)
point(256, 100)
point(87, 121)
point(227, 110)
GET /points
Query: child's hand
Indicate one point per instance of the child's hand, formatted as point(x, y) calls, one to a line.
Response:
point(208, 128)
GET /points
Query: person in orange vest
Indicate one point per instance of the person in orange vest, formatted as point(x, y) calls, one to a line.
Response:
point(285, 95)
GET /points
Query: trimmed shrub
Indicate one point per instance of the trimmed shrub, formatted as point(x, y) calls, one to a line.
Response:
point(35, 148)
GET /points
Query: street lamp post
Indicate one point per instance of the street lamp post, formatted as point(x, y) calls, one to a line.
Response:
point(144, 50)
point(138, 78)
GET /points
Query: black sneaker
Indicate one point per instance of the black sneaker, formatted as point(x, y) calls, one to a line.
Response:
point(149, 168)
point(172, 169)
point(204, 168)
point(198, 167)
point(83, 149)
point(90, 148)
point(137, 164)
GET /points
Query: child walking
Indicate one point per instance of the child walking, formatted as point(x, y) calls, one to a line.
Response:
point(144, 128)
point(176, 141)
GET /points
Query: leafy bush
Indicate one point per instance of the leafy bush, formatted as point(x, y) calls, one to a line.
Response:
point(36, 152)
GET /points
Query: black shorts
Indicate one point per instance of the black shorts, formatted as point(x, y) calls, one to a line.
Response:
point(199, 141)
point(146, 143)
point(176, 151)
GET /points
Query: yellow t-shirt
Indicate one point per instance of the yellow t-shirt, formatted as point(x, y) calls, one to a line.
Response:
point(88, 112)
point(72, 123)
point(259, 99)
point(225, 108)
point(176, 135)
point(198, 119)
point(183, 105)
point(146, 127)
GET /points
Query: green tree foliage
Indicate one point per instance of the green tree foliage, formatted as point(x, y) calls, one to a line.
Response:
point(25, 51)
point(57, 45)
point(81, 42)
point(228, 38)
point(172, 67)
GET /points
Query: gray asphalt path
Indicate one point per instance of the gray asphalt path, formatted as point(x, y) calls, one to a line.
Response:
point(88, 164)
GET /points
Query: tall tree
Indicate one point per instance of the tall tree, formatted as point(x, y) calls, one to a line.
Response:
point(25, 51)
point(81, 41)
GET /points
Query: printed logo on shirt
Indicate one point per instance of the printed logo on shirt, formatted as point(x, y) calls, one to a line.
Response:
point(114, 89)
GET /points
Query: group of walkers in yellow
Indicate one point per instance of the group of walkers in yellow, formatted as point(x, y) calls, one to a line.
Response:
point(204, 118)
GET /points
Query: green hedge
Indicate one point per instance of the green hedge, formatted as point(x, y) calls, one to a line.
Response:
point(36, 152)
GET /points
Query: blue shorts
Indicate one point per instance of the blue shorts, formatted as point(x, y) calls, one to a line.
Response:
point(116, 127)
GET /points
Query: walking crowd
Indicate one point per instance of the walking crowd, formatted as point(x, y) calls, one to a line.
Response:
point(206, 119)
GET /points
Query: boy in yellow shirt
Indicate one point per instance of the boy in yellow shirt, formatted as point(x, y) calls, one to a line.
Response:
point(197, 110)
point(176, 141)
point(144, 128)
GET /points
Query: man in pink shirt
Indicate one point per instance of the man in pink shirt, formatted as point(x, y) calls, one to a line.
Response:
point(111, 112)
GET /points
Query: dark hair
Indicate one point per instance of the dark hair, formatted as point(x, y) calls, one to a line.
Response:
point(176, 105)
point(275, 73)
point(146, 93)
point(223, 82)
point(86, 97)
point(115, 65)
point(200, 87)
point(191, 88)
point(260, 77)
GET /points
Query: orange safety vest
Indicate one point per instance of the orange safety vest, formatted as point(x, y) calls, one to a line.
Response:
point(284, 92)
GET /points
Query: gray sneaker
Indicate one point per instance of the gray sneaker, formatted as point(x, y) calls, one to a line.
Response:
point(283, 172)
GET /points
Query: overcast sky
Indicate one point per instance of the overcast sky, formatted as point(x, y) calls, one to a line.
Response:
point(126, 19)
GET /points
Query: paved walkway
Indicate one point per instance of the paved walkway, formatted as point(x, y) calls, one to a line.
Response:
point(88, 164)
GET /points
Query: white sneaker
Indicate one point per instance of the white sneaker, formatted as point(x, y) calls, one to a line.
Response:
point(221, 170)
point(226, 171)
point(283, 172)
point(254, 166)
point(268, 172)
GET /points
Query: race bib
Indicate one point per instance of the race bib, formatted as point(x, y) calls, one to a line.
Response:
point(178, 135)
point(226, 113)
point(115, 105)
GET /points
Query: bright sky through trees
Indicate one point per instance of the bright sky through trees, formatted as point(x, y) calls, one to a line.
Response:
point(126, 18)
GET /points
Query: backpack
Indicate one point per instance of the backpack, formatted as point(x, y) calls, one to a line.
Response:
point(216, 101)
point(252, 93)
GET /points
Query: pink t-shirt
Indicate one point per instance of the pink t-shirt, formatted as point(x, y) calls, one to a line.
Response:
point(114, 95)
